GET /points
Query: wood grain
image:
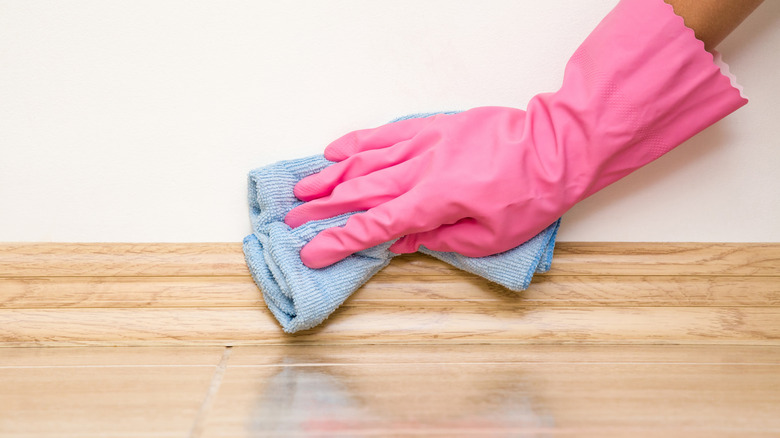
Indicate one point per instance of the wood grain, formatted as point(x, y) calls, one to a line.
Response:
point(483, 399)
point(109, 356)
point(393, 389)
point(486, 390)
point(574, 290)
point(444, 353)
point(618, 339)
point(201, 294)
point(563, 290)
point(412, 324)
point(121, 259)
point(657, 258)
point(138, 292)
point(195, 259)
point(118, 401)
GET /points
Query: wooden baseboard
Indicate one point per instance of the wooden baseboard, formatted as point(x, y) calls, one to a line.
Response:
point(66, 294)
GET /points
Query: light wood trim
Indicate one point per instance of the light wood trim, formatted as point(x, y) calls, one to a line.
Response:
point(496, 324)
point(634, 258)
point(138, 292)
point(573, 290)
point(226, 259)
point(121, 259)
point(435, 292)
point(628, 258)
point(202, 294)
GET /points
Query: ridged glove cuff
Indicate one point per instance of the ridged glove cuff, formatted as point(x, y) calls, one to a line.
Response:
point(639, 85)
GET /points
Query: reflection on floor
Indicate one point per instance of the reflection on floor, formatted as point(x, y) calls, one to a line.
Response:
point(391, 390)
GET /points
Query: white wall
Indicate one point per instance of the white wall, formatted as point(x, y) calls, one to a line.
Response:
point(138, 120)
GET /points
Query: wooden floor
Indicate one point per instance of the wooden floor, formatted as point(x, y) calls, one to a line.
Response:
point(619, 339)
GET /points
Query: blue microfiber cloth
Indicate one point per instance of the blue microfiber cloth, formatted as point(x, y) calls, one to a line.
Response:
point(300, 297)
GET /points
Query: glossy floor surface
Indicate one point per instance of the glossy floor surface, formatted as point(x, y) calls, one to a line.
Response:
point(174, 341)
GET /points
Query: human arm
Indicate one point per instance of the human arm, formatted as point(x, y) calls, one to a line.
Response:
point(713, 20)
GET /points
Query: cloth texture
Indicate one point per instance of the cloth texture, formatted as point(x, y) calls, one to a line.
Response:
point(300, 297)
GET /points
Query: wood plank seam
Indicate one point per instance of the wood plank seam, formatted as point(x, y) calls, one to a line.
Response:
point(211, 395)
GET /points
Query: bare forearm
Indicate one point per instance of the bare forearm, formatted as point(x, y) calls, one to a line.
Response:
point(713, 20)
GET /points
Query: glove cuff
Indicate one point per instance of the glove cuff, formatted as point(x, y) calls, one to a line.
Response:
point(639, 85)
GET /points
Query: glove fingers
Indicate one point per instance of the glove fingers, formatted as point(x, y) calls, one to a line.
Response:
point(323, 183)
point(397, 217)
point(358, 194)
point(374, 138)
point(467, 237)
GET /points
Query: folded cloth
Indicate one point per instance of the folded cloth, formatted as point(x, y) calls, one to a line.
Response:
point(300, 297)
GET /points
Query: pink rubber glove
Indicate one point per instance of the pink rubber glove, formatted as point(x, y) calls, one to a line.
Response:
point(486, 180)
